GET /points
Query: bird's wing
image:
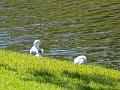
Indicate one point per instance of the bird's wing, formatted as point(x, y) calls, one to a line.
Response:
point(40, 51)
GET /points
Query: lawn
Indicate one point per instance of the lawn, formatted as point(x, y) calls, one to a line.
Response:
point(24, 72)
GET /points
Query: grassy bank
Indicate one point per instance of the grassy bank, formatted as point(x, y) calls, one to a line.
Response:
point(25, 72)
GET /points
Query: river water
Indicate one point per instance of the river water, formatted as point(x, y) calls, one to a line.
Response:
point(66, 28)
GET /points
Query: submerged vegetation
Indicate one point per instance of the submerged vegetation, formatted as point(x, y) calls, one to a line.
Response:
point(22, 71)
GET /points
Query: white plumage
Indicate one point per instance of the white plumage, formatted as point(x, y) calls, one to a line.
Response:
point(36, 50)
point(80, 59)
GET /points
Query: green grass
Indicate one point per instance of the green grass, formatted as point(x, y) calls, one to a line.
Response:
point(25, 72)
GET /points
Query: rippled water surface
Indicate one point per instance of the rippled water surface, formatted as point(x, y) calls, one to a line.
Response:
point(67, 28)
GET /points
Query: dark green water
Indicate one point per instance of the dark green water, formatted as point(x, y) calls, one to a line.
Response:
point(66, 28)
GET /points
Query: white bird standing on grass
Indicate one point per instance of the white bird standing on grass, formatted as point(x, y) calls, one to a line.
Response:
point(36, 50)
point(80, 59)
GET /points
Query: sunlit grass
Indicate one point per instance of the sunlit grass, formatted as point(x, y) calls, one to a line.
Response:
point(22, 71)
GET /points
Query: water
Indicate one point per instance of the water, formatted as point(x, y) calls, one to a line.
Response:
point(66, 28)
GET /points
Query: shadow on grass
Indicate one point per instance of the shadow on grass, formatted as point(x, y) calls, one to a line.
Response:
point(93, 78)
point(47, 77)
point(6, 66)
point(44, 76)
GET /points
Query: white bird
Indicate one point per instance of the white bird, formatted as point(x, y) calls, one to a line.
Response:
point(80, 59)
point(36, 50)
